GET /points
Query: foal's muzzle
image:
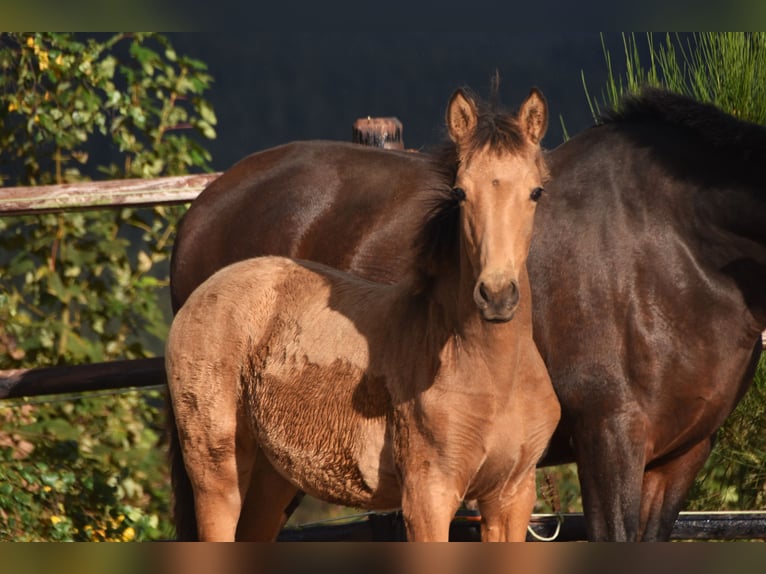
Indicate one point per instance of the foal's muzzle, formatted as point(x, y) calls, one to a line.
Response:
point(497, 303)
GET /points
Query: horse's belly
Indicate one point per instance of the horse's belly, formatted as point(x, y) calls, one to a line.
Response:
point(353, 467)
point(327, 434)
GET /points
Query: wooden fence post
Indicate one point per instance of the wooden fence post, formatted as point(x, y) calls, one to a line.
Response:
point(378, 132)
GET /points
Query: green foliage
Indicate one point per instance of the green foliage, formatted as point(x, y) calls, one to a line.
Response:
point(727, 69)
point(87, 286)
point(88, 470)
point(132, 89)
point(558, 490)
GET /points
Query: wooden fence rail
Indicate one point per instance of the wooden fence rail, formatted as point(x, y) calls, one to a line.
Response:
point(67, 379)
point(102, 194)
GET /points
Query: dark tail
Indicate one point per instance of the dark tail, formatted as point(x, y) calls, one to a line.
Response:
point(183, 496)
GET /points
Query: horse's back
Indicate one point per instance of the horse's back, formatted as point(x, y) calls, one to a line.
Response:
point(333, 202)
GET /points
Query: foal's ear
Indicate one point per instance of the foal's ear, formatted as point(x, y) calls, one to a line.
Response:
point(533, 116)
point(461, 116)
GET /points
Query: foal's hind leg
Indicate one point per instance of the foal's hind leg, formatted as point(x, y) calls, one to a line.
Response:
point(217, 496)
point(219, 460)
point(263, 511)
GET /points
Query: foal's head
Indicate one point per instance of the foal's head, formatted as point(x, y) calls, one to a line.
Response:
point(499, 179)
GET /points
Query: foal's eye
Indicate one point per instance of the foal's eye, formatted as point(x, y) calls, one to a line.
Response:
point(536, 193)
point(458, 193)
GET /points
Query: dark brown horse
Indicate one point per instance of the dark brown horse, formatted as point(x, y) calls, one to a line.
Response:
point(288, 374)
point(647, 264)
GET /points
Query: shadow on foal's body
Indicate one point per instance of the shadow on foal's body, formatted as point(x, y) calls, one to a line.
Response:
point(288, 375)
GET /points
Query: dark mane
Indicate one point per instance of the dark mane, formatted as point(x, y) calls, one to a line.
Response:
point(736, 148)
point(436, 245)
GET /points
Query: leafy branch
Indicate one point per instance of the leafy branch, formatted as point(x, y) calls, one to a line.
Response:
point(88, 286)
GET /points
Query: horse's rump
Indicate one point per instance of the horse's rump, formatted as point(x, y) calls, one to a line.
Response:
point(307, 391)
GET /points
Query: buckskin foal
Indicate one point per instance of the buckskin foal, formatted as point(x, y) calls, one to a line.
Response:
point(288, 375)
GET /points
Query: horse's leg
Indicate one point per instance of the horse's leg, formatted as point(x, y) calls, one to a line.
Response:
point(263, 511)
point(505, 518)
point(219, 458)
point(217, 499)
point(610, 455)
point(428, 505)
point(665, 489)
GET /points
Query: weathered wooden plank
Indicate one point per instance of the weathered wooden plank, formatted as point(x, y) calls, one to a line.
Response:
point(381, 132)
point(81, 378)
point(102, 194)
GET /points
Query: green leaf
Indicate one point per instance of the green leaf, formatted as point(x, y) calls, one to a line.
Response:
point(206, 112)
point(56, 287)
point(207, 130)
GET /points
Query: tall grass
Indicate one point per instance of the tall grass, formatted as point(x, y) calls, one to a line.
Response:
point(727, 69)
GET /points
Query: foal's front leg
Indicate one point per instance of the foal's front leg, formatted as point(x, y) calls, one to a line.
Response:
point(429, 503)
point(505, 517)
point(433, 473)
point(430, 497)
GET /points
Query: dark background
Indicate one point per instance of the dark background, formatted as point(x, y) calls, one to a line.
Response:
point(271, 88)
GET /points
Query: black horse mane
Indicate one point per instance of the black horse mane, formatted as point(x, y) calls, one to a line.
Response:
point(736, 148)
point(437, 242)
point(436, 245)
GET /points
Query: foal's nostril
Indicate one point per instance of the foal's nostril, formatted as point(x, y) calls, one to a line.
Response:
point(483, 293)
point(513, 293)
